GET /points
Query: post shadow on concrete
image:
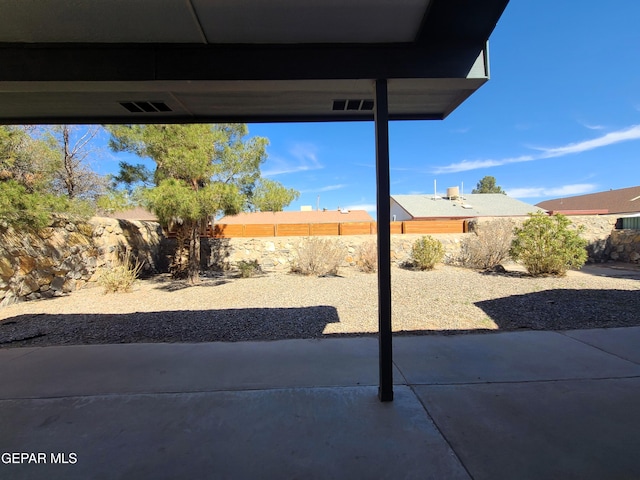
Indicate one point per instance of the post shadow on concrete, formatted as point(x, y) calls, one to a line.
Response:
point(231, 325)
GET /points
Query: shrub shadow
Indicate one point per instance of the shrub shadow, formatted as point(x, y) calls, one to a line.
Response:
point(563, 309)
point(505, 273)
point(190, 326)
point(177, 285)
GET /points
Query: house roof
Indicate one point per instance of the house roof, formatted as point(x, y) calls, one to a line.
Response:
point(476, 205)
point(137, 213)
point(166, 61)
point(622, 200)
point(314, 216)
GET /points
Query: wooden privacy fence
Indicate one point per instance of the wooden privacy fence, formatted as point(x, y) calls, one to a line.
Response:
point(321, 229)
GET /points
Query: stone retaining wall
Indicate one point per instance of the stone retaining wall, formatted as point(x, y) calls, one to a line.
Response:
point(624, 246)
point(276, 254)
point(597, 231)
point(67, 254)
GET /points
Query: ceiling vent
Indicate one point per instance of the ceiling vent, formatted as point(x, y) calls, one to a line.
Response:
point(353, 104)
point(146, 107)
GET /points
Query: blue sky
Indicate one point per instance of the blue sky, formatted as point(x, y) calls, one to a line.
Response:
point(559, 117)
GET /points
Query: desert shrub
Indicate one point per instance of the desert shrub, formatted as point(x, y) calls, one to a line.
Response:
point(248, 268)
point(426, 252)
point(489, 246)
point(368, 257)
point(546, 245)
point(122, 274)
point(317, 256)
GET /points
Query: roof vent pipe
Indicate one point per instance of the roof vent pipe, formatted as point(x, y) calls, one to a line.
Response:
point(435, 191)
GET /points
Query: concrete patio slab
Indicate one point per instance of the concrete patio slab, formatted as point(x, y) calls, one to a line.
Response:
point(581, 429)
point(9, 354)
point(503, 357)
point(613, 269)
point(623, 342)
point(495, 406)
point(149, 368)
point(311, 433)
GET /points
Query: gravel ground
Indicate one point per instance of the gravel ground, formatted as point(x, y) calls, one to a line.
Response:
point(280, 306)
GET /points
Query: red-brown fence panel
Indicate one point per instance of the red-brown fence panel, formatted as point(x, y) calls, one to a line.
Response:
point(292, 230)
point(356, 228)
point(318, 229)
point(349, 228)
point(396, 227)
point(227, 231)
point(259, 230)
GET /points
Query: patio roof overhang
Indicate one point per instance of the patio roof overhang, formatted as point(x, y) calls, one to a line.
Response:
point(136, 61)
point(180, 61)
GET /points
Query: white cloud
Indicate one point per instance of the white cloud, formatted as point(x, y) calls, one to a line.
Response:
point(631, 133)
point(594, 127)
point(304, 159)
point(369, 207)
point(328, 188)
point(532, 192)
point(563, 191)
point(364, 165)
point(466, 165)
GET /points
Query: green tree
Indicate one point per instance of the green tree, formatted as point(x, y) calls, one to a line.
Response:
point(131, 176)
point(126, 189)
point(24, 159)
point(272, 196)
point(26, 210)
point(201, 171)
point(114, 201)
point(27, 197)
point(546, 245)
point(488, 185)
point(71, 148)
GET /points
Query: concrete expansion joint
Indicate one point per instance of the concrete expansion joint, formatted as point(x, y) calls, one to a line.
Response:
point(439, 429)
point(404, 378)
point(185, 392)
point(598, 348)
point(516, 382)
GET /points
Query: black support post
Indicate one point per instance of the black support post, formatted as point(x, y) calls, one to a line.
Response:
point(385, 389)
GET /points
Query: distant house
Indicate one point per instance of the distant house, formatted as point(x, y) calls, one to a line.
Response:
point(621, 201)
point(137, 213)
point(313, 216)
point(302, 223)
point(428, 207)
